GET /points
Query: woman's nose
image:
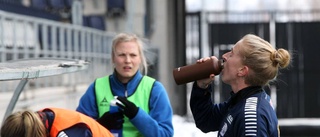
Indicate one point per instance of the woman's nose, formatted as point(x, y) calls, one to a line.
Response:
point(127, 59)
point(224, 56)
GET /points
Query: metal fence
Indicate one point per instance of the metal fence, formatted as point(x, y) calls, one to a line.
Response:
point(24, 37)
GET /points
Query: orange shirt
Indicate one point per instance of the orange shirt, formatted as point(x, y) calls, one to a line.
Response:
point(67, 118)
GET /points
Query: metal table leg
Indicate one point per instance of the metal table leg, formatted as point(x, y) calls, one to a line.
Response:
point(15, 98)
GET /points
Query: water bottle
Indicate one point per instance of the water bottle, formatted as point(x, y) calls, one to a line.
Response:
point(197, 71)
point(113, 109)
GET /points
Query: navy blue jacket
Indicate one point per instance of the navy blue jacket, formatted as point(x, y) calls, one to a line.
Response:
point(249, 112)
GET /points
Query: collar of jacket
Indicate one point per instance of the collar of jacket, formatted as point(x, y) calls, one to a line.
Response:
point(119, 88)
point(47, 118)
point(243, 94)
point(115, 74)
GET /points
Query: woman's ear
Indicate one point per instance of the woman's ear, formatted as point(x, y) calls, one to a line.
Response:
point(243, 71)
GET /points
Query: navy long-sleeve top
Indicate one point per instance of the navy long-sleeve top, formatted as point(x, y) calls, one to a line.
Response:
point(249, 112)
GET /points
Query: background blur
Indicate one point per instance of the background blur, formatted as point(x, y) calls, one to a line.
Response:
point(176, 33)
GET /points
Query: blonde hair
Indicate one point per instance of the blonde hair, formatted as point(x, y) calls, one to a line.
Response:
point(126, 37)
point(23, 124)
point(263, 59)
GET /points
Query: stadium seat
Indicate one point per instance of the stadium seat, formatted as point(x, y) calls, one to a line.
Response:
point(96, 21)
point(68, 3)
point(116, 8)
point(57, 4)
point(17, 2)
point(60, 7)
point(40, 4)
point(85, 21)
point(35, 12)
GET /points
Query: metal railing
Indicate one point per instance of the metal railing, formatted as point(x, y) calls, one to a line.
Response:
point(24, 37)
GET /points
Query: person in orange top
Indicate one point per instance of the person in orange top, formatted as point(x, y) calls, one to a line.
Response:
point(52, 122)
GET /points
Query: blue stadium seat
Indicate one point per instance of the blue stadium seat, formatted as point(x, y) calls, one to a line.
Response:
point(60, 7)
point(57, 4)
point(68, 3)
point(97, 21)
point(12, 1)
point(85, 21)
point(20, 9)
point(115, 8)
point(40, 4)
